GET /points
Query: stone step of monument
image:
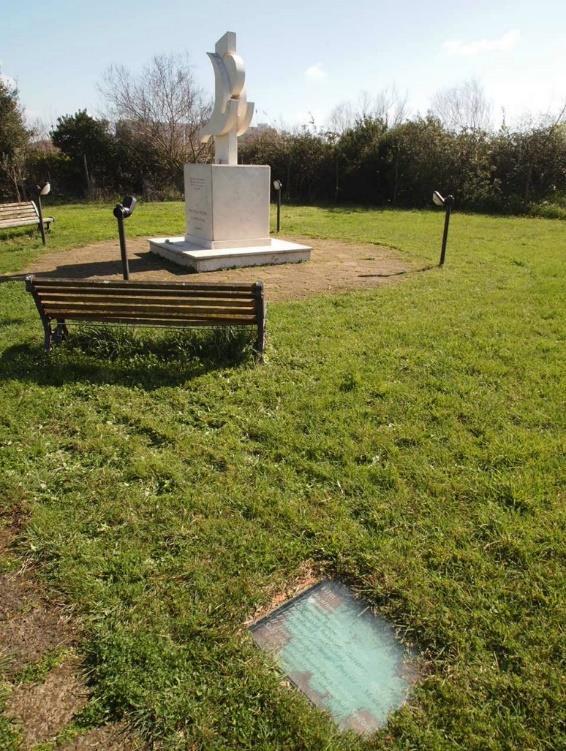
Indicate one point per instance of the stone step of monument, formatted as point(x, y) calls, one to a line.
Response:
point(178, 250)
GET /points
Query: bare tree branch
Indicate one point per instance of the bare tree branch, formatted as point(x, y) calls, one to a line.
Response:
point(162, 106)
point(387, 105)
point(463, 107)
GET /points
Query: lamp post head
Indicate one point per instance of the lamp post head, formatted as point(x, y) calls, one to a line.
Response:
point(277, 184)
point(439, 200)
point(129, 203)
point(44, 189)
point(126, 208)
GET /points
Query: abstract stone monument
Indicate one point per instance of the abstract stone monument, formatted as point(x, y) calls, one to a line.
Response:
point(227, 204)
point(232, 114)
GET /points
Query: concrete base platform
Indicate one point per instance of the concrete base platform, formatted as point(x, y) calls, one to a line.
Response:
point(198, 259)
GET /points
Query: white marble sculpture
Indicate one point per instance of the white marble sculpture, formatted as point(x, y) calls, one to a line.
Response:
point(226, 203)
point(232, 113)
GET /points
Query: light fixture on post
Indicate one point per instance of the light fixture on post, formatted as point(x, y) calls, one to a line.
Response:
point(42, 190)
point(123, 211)
point(439, 200)
point(277, 186)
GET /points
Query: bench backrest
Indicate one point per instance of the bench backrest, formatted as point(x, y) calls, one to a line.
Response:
point(149, 303)
point(11, 212)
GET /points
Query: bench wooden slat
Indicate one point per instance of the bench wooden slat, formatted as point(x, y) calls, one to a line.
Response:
point(42, 282)
point(20, 219)
point(18, 215)
point(10, 214)
point(33, 219)
point(187, 310)
point(158, 299)
point(17, 223)
point(160, 322)
point(19, 208)
point(25, 206)
point(210, 321)
point(127, 310)
point(30, 217)
point(144, 295)
point(16, 204)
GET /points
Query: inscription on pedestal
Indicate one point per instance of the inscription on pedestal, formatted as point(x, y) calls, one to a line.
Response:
point(199, 202)
point(344, 658)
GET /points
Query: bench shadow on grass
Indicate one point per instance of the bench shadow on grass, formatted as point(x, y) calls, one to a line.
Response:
point(145, 358)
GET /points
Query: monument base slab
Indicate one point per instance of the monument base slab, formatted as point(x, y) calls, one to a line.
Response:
point(198, 258)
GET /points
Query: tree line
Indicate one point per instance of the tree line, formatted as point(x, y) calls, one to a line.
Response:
point(374, 163)
point(374, 155)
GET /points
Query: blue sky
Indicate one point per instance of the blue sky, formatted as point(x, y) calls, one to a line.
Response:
point(301, 56)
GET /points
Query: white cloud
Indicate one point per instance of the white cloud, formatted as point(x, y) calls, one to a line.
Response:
point(504, 43)
point(315, 72)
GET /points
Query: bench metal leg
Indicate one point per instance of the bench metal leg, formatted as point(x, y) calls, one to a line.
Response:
point(48, 339)
point(53, 335)
point(61, 332)
point(260, 343)
point(261, 315)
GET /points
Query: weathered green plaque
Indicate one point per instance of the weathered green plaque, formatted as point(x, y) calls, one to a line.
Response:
point(347, 660)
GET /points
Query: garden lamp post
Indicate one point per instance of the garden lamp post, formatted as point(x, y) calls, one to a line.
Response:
point(447, 202)
point(42, 190)
point(123, 211)
point(277, 186)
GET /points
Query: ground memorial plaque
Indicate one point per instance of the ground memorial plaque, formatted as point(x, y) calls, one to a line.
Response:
point(347, 660)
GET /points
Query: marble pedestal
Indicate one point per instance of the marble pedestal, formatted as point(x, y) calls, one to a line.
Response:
point(227, 213)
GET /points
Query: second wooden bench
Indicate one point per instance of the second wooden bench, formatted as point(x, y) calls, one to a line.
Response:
point(21, 215)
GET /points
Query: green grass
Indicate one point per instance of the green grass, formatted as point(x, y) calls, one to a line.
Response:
point(406, 439)
point(82, 224)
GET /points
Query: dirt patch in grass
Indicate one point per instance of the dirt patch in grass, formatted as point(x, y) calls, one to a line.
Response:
point(334, 267)
point(43, 710)
point(38, 665)
point(108, 738)
point(28, 627)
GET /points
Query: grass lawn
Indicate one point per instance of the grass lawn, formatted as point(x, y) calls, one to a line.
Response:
point(406, 439)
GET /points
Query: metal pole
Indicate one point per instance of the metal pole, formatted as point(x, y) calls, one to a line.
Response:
point(123, 253)
point(40, 212)
point(278, 209)
point(448, 203)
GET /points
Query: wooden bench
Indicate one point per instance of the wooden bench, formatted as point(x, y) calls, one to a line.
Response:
point(160, 304)
point(21, 215)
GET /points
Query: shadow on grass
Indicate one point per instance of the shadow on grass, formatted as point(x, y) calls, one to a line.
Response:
point(398, 273)
point(15, 233)
point(140, 262)
point(146, 359)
